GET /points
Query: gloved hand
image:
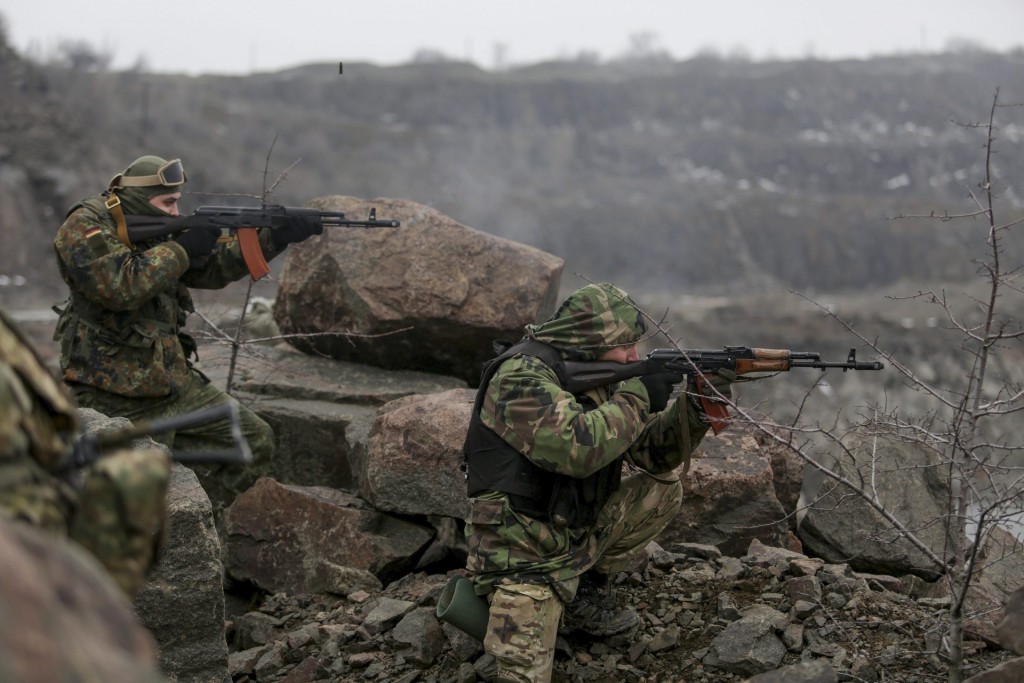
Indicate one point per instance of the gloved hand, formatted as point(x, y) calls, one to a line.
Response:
point(659, 388)
point(295, 229)
point(721, 381)
point(198, 243)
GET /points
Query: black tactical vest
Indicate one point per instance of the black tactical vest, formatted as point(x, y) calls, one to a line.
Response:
point(494, 465)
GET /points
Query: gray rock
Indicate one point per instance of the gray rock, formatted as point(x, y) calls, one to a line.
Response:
point(729, 496)
point(1011, 627)
point(309, 539)
point(311, 402)
point(665, 640)
point(805, 566)
point(727, 610)
point(256, 628)
point(464, 646)
point(814, 671)
point(182, 602)
point(1007, 672)
point(765, 555)
point(787, 471)
point(777, 619)
point(286, 373)
point(414, 455)
point(701, 551)
point(301, 430)
point(802, 588)
point(803, 609)
point(793, 637)
point(911, 484)
point(431, 295)
point(386, 614)
point(244, 661)
point(271, 660)
point(418, 637)
point(746, 647)
point(1001, 573)
point(732, 569)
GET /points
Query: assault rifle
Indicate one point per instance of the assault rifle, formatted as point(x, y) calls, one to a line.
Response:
point(243, 222)
point(90, 446)
point(698, 363)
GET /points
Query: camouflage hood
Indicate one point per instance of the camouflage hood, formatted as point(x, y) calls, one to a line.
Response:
point(592, 320)
point(135, 200)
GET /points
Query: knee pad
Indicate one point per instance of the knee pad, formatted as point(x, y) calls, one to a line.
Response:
point(523, 627)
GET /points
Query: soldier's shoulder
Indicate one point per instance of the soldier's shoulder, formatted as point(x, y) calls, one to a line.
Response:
point(28, 369)
point(88, 215)
point(526, 365)
point(525, 376)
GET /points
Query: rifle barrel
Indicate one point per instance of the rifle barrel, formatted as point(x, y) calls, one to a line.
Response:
point(844, 365)
point(334, 222)
point(90, 445)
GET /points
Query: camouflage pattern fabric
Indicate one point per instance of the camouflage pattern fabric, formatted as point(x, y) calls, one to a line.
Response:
point(523, 623)
point(592, 320)
point(37, 420)
point(121, 329)
point(121, 516)
point(221, 482)
point(526, 406)
point(522, 631)
point(118, 514)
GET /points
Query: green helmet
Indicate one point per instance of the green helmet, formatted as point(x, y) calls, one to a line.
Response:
point(145, 178)
point(592, 320)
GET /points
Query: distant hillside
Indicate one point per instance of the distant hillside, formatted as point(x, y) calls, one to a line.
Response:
point(707, 175)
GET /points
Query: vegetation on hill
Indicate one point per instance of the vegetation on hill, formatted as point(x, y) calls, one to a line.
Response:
point(709, 175)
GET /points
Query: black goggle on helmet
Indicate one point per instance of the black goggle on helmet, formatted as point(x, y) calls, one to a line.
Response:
point(171, 174)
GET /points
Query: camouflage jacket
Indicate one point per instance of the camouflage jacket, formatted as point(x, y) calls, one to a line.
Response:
point(38, 419)
point(526, 406)
point(121, 328)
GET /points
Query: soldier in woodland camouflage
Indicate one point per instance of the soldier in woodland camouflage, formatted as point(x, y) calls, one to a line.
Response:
point(124, 351)
point(551, 516)
point(118, 513)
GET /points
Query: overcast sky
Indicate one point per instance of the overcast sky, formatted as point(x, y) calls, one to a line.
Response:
point(237, 37)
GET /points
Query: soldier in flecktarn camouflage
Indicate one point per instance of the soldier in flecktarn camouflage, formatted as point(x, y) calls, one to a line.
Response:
point(552, 515)
point(118, 512)
point(123, 348)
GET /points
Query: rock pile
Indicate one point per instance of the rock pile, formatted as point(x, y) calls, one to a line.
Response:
point(723, 598)
point(769, 615)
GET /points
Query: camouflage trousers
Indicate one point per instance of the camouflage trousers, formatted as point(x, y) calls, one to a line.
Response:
point(222, 483)
point(523, 620)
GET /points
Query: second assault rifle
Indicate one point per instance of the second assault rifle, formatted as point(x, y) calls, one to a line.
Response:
point(90, 446)
point(741, 360)
point(243, 222)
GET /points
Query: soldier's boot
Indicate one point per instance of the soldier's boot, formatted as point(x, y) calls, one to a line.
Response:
point(594, 611)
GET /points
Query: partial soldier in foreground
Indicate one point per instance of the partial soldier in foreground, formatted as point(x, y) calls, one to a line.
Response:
point(118, 510)
point(124, 350)
point(552, 518)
